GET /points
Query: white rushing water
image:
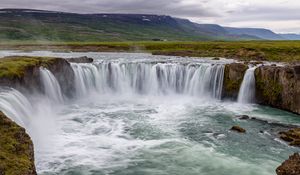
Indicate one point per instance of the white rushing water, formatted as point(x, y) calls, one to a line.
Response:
point(51, 86)
point(202, 80)
point(146, 116)
point(247, 89)
point(15, 105)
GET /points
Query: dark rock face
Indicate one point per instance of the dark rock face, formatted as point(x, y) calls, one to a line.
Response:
point(238, 129)
point(290, 166)
point(16, 149)
point(31, 82)
point(278, 87)
point(83, 59)
point(233, 77)
point(243, 117)
point(292, 136)
point(64, 74)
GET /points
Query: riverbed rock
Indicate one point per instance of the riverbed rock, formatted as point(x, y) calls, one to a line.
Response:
point(292, 136)
point(243, 117)
point(279, 87)
point(83, 59)
point(290, 166)
point(233, 77)
point(16, 149)
point(238, 129)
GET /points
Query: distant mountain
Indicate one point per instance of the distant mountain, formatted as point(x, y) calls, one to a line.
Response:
point(31, 25)
point(291, 36)
point(258, 32)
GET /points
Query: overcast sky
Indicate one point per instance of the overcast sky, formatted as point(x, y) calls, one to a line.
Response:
point(278, 15)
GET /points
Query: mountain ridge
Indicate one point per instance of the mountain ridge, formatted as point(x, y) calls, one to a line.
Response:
point(32, 24)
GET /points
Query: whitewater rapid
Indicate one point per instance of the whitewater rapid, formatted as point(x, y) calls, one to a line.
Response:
point(143, 114)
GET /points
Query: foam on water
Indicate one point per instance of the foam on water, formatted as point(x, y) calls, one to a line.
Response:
point(139, 114)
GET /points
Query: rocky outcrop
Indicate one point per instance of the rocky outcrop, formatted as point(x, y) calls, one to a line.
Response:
point(233, 77)
point(64, 74)
point(238, 129)
point(290, 166)
point(292, 136)
point(83, 59)
point(25, 74)
point(16, 149)
point(278, 87)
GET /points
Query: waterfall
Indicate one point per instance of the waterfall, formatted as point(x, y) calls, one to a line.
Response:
point(15, 105)
point(51, 86)
point(247, 89)
point(204, 80)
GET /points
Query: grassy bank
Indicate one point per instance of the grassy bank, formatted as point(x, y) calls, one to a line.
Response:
point(288, 51)
point(15, 67)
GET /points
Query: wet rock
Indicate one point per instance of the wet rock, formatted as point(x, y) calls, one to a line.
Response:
point(238, 129)
point(83, 59)
point(292, 136)
point(290, 166)
point(216, 58)
point(233, 77)
point(29, 81)
point(278, 87)
point(16, 149)
point(243, 117)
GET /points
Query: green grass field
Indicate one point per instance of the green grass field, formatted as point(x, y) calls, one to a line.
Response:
point(286, 51)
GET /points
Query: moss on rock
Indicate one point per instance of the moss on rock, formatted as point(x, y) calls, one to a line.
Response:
point(16, 149)
point(278, 86)
point(15, 66)
point(233, 77)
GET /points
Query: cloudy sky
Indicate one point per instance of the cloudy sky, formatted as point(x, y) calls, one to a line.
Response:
point(278, 15)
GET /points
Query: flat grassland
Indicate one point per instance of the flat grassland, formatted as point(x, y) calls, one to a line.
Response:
point(284, 51)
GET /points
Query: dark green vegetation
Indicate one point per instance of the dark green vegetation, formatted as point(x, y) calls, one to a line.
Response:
point(36, 25)
point(287, 51)
point(15, 67)
point(16, 149)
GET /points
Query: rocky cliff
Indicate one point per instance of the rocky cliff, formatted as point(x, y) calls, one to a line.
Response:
point(23, 73)
point(16, 149)
point(233, 77)
point(278, 87)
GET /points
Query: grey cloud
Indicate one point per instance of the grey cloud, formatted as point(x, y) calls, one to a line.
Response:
point(214, 11)
point(169, 7)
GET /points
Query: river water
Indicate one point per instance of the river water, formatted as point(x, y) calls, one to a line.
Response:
point(138, 114)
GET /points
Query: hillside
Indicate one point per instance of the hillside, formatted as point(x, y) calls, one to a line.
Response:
point(38, 25)
point(58, 26)
point(261, 33)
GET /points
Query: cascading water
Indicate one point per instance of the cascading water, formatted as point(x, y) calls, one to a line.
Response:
point(16, 105)
point(132, 135)
point(247, 89)
point(51, 86)
point(150, 78)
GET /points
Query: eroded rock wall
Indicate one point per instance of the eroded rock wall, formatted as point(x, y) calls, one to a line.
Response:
point(278, 87)
point(16, 149)
point(233, 77)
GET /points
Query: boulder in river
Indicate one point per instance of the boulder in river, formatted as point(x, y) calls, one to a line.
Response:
point(290, 166)
point(292, 136)
point(238, 129)
point(243, 117)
